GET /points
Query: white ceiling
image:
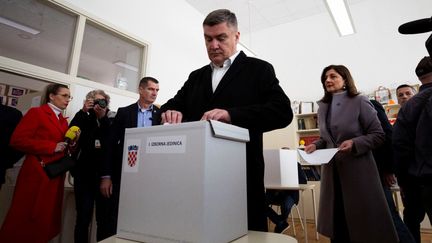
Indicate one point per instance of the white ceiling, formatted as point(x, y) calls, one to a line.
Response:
point(255, 15)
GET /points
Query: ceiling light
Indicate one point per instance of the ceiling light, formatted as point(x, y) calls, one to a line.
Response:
point(341, 16)
point(19, 26)
point(127, 66)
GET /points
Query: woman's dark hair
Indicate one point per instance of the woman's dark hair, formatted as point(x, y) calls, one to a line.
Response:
point(346, 76)
point(52, 89)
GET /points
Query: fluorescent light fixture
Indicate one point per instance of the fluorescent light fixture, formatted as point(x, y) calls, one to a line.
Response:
point(127, 66)
point(341, 16)
point(19, 26)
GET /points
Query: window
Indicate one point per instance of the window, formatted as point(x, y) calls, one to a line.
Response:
point(54, 36)
point(36, 33)
point(109, 59)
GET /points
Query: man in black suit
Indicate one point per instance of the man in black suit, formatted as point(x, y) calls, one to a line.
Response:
point(141, 114)
point(383, 156)
point(239, 90)
point(412, 151)
point(9, 119)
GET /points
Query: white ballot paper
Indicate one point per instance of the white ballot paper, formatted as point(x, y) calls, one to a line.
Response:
point(319, 156)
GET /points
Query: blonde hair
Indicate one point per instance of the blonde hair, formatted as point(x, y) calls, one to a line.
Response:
point(92, 94)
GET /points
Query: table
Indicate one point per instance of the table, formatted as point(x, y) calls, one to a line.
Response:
point(251, 237)
point(301, 188)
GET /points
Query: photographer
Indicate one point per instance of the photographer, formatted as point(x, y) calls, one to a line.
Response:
point(93, 121)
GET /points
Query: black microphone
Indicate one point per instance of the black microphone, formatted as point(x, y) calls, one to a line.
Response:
point(416, 26)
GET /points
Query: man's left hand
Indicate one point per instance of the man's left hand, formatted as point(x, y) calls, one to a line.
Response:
point(218, 115)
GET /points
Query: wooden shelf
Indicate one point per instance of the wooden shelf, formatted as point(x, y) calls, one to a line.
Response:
point(391, 106)
point(308, 131)
point(306, 115)
point(391, 111)
point(308, 123)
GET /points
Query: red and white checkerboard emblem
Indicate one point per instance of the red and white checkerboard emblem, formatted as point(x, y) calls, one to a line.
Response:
point(132, 155)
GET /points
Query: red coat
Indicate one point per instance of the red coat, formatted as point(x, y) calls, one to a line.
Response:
point(35, 212)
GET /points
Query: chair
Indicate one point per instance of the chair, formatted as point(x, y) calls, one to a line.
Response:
point(290, 215)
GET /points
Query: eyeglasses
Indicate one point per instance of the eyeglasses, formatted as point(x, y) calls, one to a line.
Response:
point(66, 96)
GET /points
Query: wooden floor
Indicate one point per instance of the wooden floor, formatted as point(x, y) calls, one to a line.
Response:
point(426, 235)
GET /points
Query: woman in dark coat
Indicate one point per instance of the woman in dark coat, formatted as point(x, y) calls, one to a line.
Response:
point(35, 213)
point(352, 203)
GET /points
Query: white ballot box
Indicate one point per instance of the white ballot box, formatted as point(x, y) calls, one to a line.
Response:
point(184, 183)
point(281, 167)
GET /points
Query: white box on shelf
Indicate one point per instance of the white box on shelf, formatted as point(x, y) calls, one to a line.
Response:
point(184, 183)
point(281, 167)
point(306, 107)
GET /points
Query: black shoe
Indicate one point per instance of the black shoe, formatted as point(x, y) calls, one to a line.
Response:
point(281, 227)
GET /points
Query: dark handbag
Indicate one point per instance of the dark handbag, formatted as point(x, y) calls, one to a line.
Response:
point(58, 167)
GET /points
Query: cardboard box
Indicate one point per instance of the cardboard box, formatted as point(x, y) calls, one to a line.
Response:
point(281, 167)
point(184, 183)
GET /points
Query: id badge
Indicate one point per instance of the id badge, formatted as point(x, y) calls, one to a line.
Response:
point(97, 143)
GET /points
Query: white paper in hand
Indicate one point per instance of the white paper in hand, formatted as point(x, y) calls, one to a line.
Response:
point(318, 157)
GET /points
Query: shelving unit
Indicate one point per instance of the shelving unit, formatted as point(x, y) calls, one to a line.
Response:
point(307, 128)
point(391, 112)
point(392, 109)
point(306, 131)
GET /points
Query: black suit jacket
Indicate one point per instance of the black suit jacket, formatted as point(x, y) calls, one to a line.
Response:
point(88, 157)
point(383, 155)
point(250, 92)
point(126, 117)
point(9, 119)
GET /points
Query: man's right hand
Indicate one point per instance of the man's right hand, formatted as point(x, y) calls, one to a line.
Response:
point(171, 117)
point(106, 187)
point(88, 104)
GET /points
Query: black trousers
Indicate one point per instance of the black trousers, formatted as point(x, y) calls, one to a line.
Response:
point(87, 198)
point(108, 207)
point(402, 230)
point(417, 200)
point(257, 207)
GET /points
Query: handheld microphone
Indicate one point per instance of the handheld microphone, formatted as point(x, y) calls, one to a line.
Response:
point(71, 134)
point(416, 26)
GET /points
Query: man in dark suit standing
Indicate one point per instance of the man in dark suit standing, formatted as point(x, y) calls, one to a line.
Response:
point(239, 90)
point(412, 151)
point(383, 156)
point(141, 114)
point(9, 119)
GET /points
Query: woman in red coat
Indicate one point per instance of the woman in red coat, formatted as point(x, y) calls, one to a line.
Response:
point(35, 212)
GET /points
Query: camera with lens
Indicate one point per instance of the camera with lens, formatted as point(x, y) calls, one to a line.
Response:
point(101, 102)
